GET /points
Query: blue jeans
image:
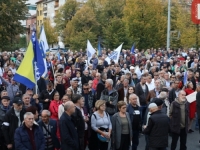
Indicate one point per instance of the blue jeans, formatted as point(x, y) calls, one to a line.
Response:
point(135, 140)
point(142, 112)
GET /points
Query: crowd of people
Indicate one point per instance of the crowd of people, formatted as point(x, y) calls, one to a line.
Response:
point(99, 105)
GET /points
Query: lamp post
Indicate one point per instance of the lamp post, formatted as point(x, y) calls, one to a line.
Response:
point(168, 24)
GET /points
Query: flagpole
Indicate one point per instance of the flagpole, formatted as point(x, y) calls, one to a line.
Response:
point(36, 86)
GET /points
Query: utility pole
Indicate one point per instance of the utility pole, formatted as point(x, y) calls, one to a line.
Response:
point(168, 24)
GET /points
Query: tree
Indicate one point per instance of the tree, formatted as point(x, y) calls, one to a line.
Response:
point(52, 36)
point(82, 27)
point(11, 12)
point(146, 22)
point(65, 14)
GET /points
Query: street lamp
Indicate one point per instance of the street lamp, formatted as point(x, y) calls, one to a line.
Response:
point(168, 24)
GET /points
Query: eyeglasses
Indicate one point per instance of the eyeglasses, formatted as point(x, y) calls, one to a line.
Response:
point(123, 107)
point(130, 89)
point(85, 88)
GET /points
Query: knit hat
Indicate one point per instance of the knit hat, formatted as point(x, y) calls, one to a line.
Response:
point(99, 103)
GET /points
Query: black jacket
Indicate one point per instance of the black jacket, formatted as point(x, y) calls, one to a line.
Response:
point(68, 133)
point(172, 95)
point(198, 104)
point(85, 79)
point(46, 95)
point(157, 129)
point(79, 123)
point(10, 124)
point(141, 94)
point(99, 89)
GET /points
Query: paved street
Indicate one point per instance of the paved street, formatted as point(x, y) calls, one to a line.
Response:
point(192, 142)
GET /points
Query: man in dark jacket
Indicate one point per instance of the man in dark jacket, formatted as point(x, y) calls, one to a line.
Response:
point(85, 78)
point(29, 136)
point(101, 85)
point(174, 92)
point(141, 90)
point(49, 128)
point(68, 132)
point(77, 118)
point(198, 104)
point(12, 120)
point(179, 112)
point(157, 130)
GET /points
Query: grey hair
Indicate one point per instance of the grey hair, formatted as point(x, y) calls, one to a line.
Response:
point(67, 105)
point(126, 80)
point(25, 95)
point(28, 114)
point(110, 81)
point(46, 112)
point(162, 95)
point(132, 95)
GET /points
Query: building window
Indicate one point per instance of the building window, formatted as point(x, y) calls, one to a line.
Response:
point(31, 8)
point(40, 12)
point(38, 23)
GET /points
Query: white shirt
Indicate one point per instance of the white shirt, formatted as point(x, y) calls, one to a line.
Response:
point(151, 85)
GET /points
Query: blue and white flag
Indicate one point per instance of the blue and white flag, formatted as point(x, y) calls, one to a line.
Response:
point(185, 78)
point(44, 47)
point(90, 51)
point(133, 49)
point(39, 65)
point(114, 55)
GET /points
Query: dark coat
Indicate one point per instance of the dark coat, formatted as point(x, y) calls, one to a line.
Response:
point(41, 84)
point(53, 125)
point(68, 133)
point(140, 93)
point(100, 88)
point(176, 117)
point(46, 95)
point(22, 139)
point(85, 79)
point(79, 122)
point(172, 95)
point(10, 124)
point(121, 94)
point(157, 129)
point(198, 104)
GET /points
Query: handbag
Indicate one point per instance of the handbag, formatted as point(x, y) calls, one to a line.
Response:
point(102, 138)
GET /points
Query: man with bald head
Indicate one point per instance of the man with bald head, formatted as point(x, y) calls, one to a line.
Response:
point(179, 112)
point(67, 79)
point(69, 135)
point(49, 128)
point(133, 110)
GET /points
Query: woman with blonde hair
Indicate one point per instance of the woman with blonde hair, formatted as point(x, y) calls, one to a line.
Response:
point(101, 127)
point(100, 66)
point(121, 128)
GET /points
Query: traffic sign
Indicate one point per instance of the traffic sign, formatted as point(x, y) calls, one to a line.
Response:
point(195, 11)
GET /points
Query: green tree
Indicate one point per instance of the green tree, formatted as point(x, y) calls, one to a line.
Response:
point(65, 14)
point(146, 22)
point(52, 36)
point(83, 26)
point(11, 12)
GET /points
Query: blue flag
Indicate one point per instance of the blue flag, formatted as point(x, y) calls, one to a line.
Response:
point(185, 78)
point(39, 65)
point(133, 49)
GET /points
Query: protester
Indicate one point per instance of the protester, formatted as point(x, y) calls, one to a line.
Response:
point(157, 130)
point(12, 120)
point(69, 135)
point(65, 99)
point(78, 118)
point(135, 118)
point(101, 126)
point(179, 121)
point(29, 130)
point(121, 128)
point(49, 128)
point(110, 95)
point(4, 108)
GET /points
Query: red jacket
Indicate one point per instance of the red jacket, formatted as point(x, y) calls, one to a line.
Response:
point(95, 82)
point(53, 108)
